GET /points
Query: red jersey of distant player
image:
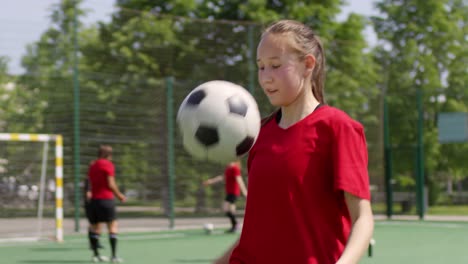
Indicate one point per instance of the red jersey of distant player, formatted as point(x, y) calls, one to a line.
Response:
point(231, 173)
point(98, 172)
point(296, 211)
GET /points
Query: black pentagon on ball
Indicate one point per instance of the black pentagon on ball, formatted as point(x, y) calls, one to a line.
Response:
point(244, 146)
point(196, 97)
point(207, 135)
point(237, 105)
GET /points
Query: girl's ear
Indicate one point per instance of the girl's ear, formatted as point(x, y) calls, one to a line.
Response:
point(309, 61)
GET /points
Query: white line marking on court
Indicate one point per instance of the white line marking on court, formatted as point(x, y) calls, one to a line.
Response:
point(8, 242)
point(146, 237)
point(424, 224)
point(19, 239)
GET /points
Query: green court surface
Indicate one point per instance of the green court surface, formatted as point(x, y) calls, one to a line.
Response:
point(396, 242)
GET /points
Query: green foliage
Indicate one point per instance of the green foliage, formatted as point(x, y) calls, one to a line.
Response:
point(149, 40)
point(405, 183)
point(424, 49)
point(123, 65)
point(3, 69)
point(21, 111)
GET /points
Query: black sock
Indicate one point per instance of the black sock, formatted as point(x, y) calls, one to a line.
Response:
point(94, 240)
point(232, 217)
point(113, 243)
point(90, 233)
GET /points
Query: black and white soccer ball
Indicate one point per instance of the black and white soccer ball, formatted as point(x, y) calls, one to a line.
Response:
point(208, 227)
point(219, 121)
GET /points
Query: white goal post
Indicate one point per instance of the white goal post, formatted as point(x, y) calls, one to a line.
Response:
point(58, 172)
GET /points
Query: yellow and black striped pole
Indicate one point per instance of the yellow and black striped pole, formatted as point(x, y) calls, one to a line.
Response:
point(58, 171)
point(59, 188)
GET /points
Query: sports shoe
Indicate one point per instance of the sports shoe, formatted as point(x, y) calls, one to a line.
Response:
point(116, 260)
point(232, 229)
point(97, 259)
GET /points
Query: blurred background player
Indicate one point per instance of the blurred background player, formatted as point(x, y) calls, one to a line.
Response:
point(234, 185)
point(86, 207)
point(101, 176)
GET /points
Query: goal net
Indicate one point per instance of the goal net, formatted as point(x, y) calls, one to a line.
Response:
point(31, 186)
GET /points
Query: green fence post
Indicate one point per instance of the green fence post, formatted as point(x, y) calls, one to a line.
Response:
point(251, 52)
point(388, 160)
point(420, 157)
point(170, 145)
point(76, 121)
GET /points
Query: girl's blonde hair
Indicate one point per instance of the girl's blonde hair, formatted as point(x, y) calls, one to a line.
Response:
point(305, 42)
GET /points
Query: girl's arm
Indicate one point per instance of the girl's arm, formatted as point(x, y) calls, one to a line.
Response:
point(213, 180)
point(362, 229)
point(241, 183)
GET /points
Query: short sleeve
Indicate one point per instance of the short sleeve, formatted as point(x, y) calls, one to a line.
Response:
point(235, 171)
point(109, 169)
point(350, 159)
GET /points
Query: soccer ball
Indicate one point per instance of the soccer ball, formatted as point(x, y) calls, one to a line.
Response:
point(219, 121)
point(208, 227)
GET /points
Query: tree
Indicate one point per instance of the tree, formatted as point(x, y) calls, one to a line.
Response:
point(3, 69)
point(196, 41)
point(124, 63)
point(21, 111)
point(49, 66)
point(424, 42)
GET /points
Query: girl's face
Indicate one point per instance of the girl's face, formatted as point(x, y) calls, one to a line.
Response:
point(280, 71)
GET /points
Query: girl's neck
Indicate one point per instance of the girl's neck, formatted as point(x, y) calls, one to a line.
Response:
point(298, 110)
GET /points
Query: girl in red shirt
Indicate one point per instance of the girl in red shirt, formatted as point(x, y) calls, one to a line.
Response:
point(233, 186)
point(308, 185)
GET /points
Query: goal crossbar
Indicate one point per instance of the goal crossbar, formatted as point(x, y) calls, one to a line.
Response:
point(58, 171)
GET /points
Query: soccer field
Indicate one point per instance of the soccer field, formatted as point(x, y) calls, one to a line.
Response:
point(189, 246)
point(397, 242)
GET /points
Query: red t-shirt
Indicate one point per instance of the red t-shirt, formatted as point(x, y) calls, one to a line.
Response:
point(230, 174)
point(98, 172)
point(296, 211)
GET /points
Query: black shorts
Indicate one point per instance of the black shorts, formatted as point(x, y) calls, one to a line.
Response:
point(87, 209)
point(101, 211)
point(231, 198)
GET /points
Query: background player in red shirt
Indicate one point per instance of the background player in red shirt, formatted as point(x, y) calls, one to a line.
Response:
point(101, 176)
point(233, 186)
point(308, 186)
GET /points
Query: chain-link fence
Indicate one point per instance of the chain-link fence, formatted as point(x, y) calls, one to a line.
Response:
point(124, 82)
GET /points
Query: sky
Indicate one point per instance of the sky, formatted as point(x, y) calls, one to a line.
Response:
point(23, 21)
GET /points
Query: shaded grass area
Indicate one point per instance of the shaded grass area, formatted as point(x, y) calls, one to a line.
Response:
point(449, 210)
point(162, 247)
point(419, 242)
point(396, 242)
point(149, 211)
point(380, 208)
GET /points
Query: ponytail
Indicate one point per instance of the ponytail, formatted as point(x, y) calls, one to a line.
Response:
point(318, 75)
point(305, 42)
